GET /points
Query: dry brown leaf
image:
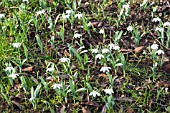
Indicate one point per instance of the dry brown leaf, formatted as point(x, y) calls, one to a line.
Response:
point(124, 99)
point(85, 110)
point(94, 23)
point(62, 110)
point(28, 68)
point(50, 1)
point(17, 104)
point(103, 76)
point(130, 110)
point(126, 51)
point(91, 103)
point(162, 84)
point(139, 49)
point(19, 96)
point(50, 79)
point(66, 53)
point(104, 109)
point(166, 67)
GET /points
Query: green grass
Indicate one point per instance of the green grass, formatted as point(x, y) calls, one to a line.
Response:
point(45, 67)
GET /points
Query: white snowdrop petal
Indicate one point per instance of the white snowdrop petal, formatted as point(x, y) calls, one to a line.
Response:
point(50, 69)
point(78, 16)
point(111, 46)
point(129, 28)
point(2, 15)
point(105, 50)
point(119, 64)
point(101, 31)
point(64, 60)
point(77, 35)
point(16, 45)
point(108, 91)
point(9, 69)
point(99, 56)
point(13, 76)
point(69, 12)
point(94, 50)
point(159, 52)
point(40, 12)
point(154, 46)
point(157, 19)
point(65, 16)
point(116, 48)
point(160, 29)
point(105, 69)
point(167, 24)
point(25, 1)
point(94, 93)
point(55, 86)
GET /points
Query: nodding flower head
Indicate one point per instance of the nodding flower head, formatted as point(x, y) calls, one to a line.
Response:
point(154, 46)
point(105, 69)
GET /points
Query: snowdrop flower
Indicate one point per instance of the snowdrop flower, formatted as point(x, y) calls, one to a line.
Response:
point(16, 45)
point(154, 46)
point(9, 69)
point(111, 46)
point(121, 12)
point(152, 3)
point(159, 52)
point(105, 69)
point(105, 50)
point(119, 64)
point(84, 51)
point(99, 56)
point(69, 12)
point(157, 19)
point(25, 1)
point(89, 24)
point(2, 15)
point(108, 91)
point(116, 48)
point(94, 93)
point(155, 64)
point(167, 24)
point(55, 86)
point(40, 12)
point(80, 48)
point(160, 29)
point(144, 2)
point(126, 6)
point(129, 28)
point(64, 60)
point(94, 50)
point(77, 35)
point(51, 69)
point(101, 31)
point(13, 76)
point(166, 90)
point(78, 16)
point(65, 16)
